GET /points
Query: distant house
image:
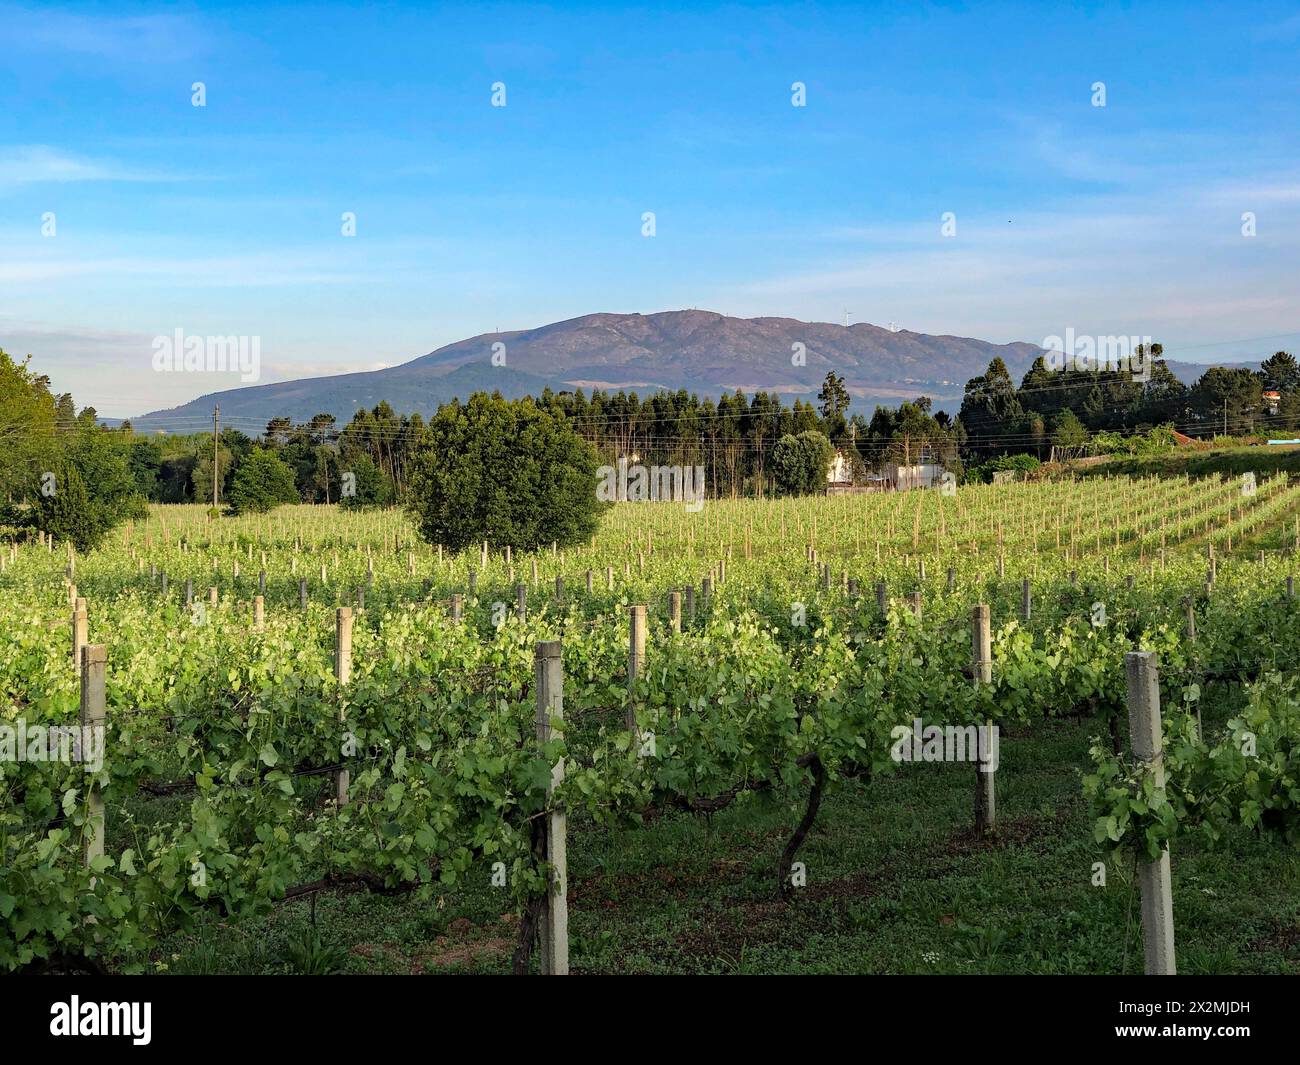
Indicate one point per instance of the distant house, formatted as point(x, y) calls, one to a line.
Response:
point(839, 479)
point(1273, 400)
point(922, 475)
point(840, 474)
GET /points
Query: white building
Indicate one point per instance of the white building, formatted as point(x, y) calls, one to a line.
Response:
point(841, 470)
point(923, 475)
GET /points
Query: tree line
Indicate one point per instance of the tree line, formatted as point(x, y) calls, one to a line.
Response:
point(65, 470)
point(1067, 408)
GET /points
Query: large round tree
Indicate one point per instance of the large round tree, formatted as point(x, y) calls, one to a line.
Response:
point(505, 472)
point(800, 462)
point(261, 483)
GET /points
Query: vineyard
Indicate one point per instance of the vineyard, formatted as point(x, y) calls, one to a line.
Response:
point(313, 712)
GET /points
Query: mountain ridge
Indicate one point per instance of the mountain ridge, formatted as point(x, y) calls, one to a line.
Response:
point(697, 350)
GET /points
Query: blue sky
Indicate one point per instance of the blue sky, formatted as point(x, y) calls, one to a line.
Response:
point(225, 219)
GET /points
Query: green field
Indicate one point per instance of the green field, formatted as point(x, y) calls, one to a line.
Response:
point(219, 786)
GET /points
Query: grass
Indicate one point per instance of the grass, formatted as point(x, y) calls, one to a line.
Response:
point(897, 883)
point(1261, 460)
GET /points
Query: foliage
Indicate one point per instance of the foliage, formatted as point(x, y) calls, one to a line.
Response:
point(239, 729)
point(1157, 441)
point(504, 472)
point(1018, 463)
point(834, 403)
point(905, 434)
point(370, 487)
point(799, 463)
point(201, 476)
point(27, 412)
point(1068, 431)
point(88, 488)
point(61, 507)
point(261, 483)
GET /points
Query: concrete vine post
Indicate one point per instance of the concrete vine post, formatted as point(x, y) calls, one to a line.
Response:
point(1153, 876)
point(342, 674)
point(982, 673)
point(553, 926)
point(94, 659)
point(635, 657)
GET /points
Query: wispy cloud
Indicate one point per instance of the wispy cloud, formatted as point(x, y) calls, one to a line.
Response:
point(1156, 264)
point(64, 342)
point(36, 164)
point(271, 269)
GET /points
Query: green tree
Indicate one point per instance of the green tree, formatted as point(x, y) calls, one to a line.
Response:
point(503, 471)
point(1228, 400)
point(261, 483)
point(27, 416)
point(146, 466)
point(834, 398)
point(87, 491)
point(1164, 397)
point(1280, 373)
point(800, 462)
point(61, 507)
point(990, 409)
point(1068, 431)
point(103, 459)
point(367, 486)
point(201, 473)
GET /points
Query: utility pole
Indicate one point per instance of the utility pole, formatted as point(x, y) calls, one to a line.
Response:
point(216, 437)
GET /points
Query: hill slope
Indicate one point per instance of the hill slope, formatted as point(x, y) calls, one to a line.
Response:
point(698, 350)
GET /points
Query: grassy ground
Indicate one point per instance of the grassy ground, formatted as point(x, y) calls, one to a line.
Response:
point(896, 884)
point(1261, 460)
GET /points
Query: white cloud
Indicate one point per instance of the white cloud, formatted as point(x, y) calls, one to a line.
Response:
point(262, 269)
point(1166, 259)
point(35, 164)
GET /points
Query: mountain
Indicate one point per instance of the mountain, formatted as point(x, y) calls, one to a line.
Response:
point(250, 408)
point(701, 351)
